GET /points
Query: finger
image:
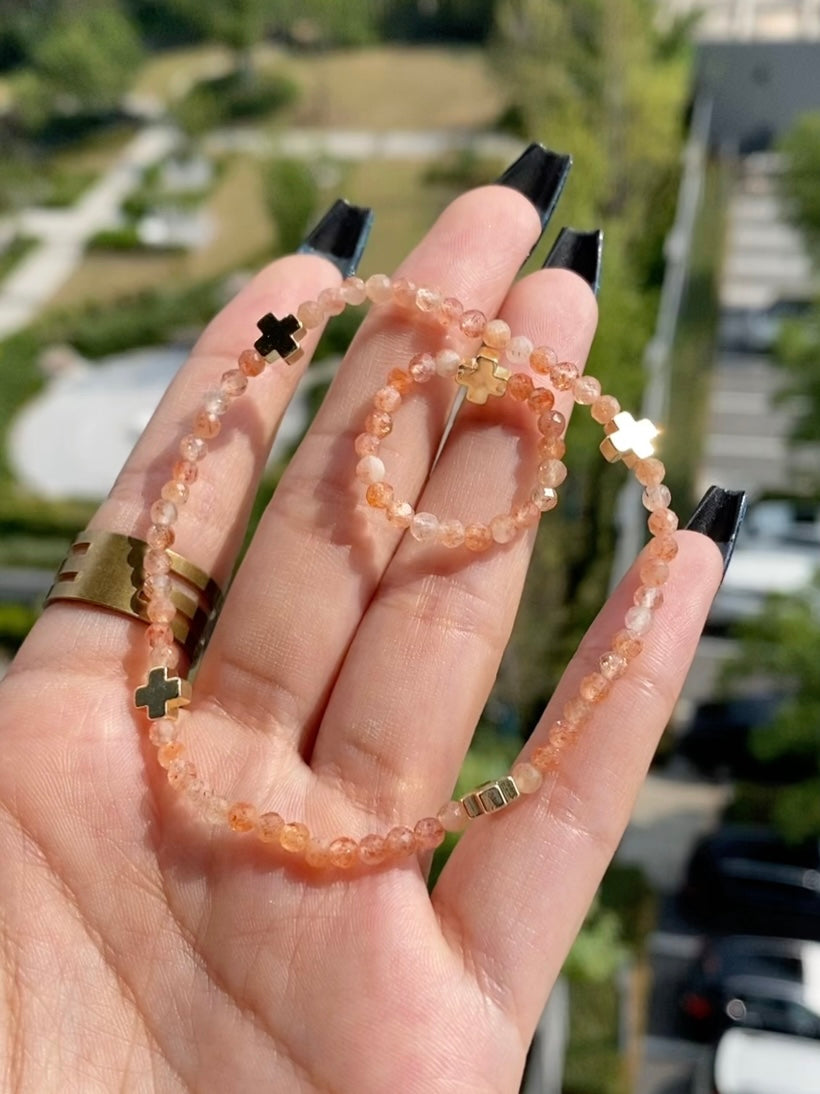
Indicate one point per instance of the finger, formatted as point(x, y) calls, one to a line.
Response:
point(319, 553)
point(514, 893)
point(399, 736)
point(213, 520)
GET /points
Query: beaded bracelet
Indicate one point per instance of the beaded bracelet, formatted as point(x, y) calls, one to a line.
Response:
point(483, 375)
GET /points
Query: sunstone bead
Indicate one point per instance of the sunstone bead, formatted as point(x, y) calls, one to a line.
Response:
point(379, 288)
point(519, 387)
point(450, 311)
point(472, 323)
point(379, 495)
point(637, 621)
point(422, 367)
point(372, 850)
point(586, 390)
point(656, 497)
point(662, 521)
point(612, 665)
point(545, 497)
point(527, 777)
point(352, 290)
point(447, 362)
point(540, 400)
point(429, 833)
point(518, 350)
point(605, 408)
point(400, 514)
point(542, 359)
point(653, 571)
point(293, 837)
point(343, 852)
point(428, 299)
point(331, 302)
point(251, 362)
point(563, 375)
point(400, 841)
point(452, 817)
point(648, 596)
point(497, 333)
point(451, 533)
point(379, 423)
point(477, 537)
point(268, 827)
point(310, 314)
point(242, 817)
point(424, 527)
point(370, 469)
point(404, 292)
point(387, 398)
point(317, 853)
point(503, 528)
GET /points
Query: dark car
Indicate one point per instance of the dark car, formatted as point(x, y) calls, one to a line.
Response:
point(749, 879)
point(763, 983)
point(718, 740)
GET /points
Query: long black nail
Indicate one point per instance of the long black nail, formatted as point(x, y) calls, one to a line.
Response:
point(341, 235)
point(580, 252)
point(539, 175)
point(719, 515)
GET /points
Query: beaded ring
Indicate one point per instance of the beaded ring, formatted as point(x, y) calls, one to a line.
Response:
point(483, 375)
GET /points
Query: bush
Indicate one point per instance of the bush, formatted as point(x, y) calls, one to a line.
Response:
point(291, 194)
point(125, 238)
point(233, 98)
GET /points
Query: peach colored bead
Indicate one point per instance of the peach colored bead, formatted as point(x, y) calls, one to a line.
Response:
point(451, 533)
point(206, 425)
point(551, 473)
point(527, 777)
point(331, 302)
point(654, 572)
point(379, 495)
point(372, 850)
point(429, 833)
point(343, 852)
point(293, 837)
point(181, 773)
point(399, 379)
point(503, 528)
point(400, 513)
point(163, 512)
point(656, 497)
point(242, 817)
point(251, 363)
point(627, 645)
point(379, 288)
point(526, 514)
point(156, 562)
point(452, 817)
point(447, 362)
point(404, 292)
point(518, 350)
point(648, 596)
point(552, 423)
point(268, 827)
point(424, 527)
point(612, 665)
point(649, 472)
point(161, 610)
point(169, 752)
point(379, 423)
point(477, 537)
point(352, 290)
point(576, 710)
point(545, 757)
point(422, 367)
point(540, 400)
point(662, 522)
point(542, 359)
point(497, 333)
point(156, 585)
point(215, 809)
point(551, 448)
point(637, 621)
point(185, 471)
point(605, 408)
point(387, 398)
point(663, 547)
point(234, 382)
point(310, 314)
point(472, 323)
point(451, 311)
point(159, 634)
point(545, 497)
point(370, 469)
point(163, 732)
point(400, 841)
point(428, 300)
point(197, 791)
point(192, 448)
point(593, 687)
point(160, 536)
point(317, 854)
point(586, 390)
point(175, 492)
point(563, 375)
point(216, 402)
point(366, 444)
point(519, 387)
point(166, 657)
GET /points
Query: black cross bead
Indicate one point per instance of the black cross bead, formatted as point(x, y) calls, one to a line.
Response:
point(162, 695)
point(279, 336)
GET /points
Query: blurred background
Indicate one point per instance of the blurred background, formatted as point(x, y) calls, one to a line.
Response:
point(155, 152)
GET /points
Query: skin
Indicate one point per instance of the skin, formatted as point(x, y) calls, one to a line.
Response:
point(143, 951)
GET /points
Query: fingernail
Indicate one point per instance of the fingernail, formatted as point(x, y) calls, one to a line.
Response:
point(539, 175)
point(579, 252)
point(341, 236)
point(719, 515)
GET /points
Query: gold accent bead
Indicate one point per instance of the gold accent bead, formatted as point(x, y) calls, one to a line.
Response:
point(490, 797)
point(483, 376)
point(162, 695)
point(628, 440)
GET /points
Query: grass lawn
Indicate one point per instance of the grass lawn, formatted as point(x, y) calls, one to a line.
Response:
point(167, 75)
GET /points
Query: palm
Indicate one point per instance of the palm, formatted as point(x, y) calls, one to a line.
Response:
point(138, 943)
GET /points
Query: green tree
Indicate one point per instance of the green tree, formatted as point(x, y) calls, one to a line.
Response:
point(238, 24)
point(801, 151)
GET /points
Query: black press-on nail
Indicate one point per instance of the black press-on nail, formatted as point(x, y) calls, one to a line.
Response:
point(539, 175)
point(580, 252)
point(341, 235)
point(719, 515)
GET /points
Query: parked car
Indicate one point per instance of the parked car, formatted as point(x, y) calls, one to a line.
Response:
point(718, 740)
point(759, 568)
point(756, 330)
point(749, 879)
point(763, 983)
point(749, 1061)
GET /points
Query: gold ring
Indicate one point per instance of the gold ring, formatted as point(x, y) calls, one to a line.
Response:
point(106, 569)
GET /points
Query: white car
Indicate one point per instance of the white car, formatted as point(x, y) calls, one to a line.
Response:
point(749, 1061)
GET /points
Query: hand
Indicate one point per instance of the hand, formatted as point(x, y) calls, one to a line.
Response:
point(342, 685)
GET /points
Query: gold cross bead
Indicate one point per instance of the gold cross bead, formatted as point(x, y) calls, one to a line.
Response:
point(162, 695)
point(483, 376)
point(628, 440)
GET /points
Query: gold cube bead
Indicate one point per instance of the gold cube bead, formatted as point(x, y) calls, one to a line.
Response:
point(491, 796)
